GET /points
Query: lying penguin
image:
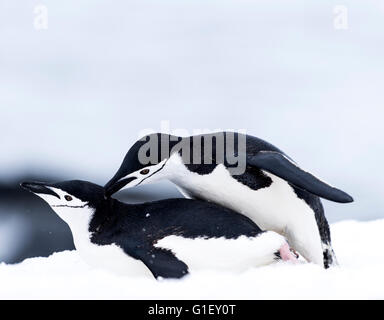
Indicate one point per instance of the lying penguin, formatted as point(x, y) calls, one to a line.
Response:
point(273, 190)
point(170, 237)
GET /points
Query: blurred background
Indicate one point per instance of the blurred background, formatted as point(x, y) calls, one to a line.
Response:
point(80, 80)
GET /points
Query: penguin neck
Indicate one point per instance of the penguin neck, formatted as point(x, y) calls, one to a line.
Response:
point(112, 212)
point(104, 212)
point(85, 221)
point(78, 220)
point(175, 170)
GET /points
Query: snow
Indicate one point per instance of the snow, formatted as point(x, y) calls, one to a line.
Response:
point(357, 244)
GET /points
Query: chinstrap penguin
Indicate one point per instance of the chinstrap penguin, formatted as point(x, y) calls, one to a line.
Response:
point(273, 190)
point(170, 237)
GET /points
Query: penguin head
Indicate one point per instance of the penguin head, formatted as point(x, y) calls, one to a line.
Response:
point(145, 162)
point(74, 201)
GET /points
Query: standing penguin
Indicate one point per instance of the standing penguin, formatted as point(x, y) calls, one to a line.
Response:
point(170, 237)
point(272, 189)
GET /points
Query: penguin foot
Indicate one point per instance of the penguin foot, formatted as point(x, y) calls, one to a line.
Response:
point(286, 254)
point(295, 253)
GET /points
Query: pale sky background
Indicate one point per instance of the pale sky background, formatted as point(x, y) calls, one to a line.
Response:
point(74, 97)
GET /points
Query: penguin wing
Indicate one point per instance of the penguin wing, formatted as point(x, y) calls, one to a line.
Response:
point(281, 166)
point(163, 263)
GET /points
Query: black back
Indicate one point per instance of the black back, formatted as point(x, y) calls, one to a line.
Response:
point(137, 228)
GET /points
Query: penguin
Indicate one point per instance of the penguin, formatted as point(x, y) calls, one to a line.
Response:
point(168, 238)
point(273, 191)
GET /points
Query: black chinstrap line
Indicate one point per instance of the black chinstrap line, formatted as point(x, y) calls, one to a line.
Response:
point(153, 173)
point(64, 206)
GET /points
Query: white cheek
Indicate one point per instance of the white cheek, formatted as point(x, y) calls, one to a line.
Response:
point(77, 218)
point(148, 178)
point(143, 180)
point(51, 200)
point(155, 174)
point(63, 202)
point(69, 211)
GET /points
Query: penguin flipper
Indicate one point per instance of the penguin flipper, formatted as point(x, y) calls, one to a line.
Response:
point(163, 263)
point(281, 166)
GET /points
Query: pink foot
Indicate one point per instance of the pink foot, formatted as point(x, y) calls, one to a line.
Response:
point(286, 254)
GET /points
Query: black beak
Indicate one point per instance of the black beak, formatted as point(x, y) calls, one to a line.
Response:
point(38, 188)
point(115, 185)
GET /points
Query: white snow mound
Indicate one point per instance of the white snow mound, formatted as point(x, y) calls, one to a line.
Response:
point(357, 245)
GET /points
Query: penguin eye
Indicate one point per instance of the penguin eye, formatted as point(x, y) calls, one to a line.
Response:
point(145, 171)
point(68, 198)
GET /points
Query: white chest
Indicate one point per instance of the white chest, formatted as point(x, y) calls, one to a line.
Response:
point(112, 258)
point(109, 257)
